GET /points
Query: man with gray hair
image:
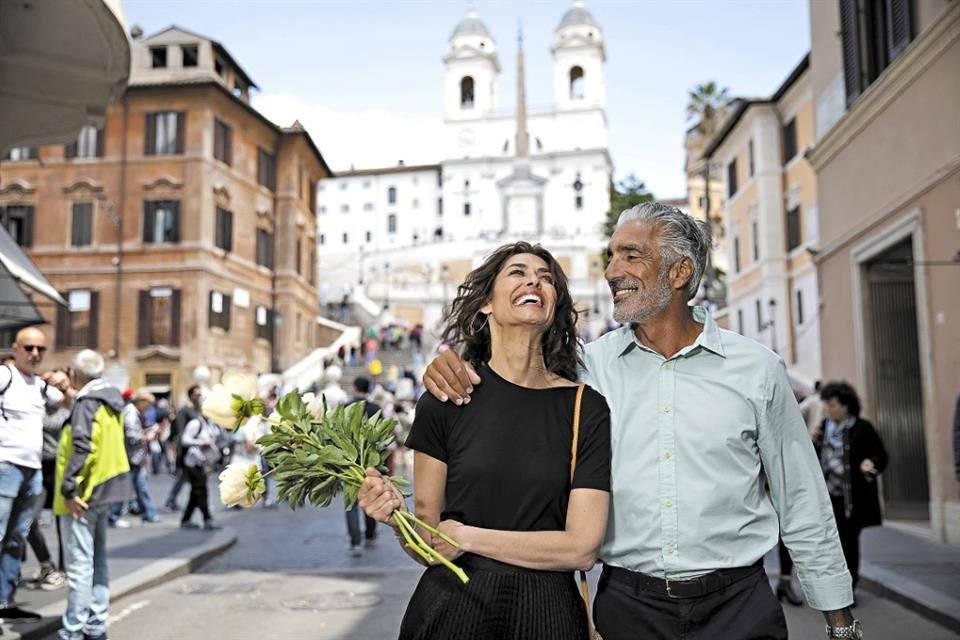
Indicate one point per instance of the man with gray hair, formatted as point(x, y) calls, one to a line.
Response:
point(702, 421)
point(87, 485)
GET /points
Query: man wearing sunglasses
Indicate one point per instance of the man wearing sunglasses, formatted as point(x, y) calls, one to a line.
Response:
point(24, 397)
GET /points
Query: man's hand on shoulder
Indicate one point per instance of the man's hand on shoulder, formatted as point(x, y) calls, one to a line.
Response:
point(448, 377)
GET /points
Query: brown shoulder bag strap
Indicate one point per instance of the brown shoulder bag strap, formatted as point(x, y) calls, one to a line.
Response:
point(584, 589)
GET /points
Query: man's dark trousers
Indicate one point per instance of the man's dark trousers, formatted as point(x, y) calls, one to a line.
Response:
point(744, 609)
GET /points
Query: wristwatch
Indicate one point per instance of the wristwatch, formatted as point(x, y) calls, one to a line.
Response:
point(853, 631)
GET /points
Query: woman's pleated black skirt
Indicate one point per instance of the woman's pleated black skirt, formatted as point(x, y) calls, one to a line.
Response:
point(500, 602)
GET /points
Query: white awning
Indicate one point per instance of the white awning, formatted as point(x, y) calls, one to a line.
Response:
point(18, 271)
point(61, 64)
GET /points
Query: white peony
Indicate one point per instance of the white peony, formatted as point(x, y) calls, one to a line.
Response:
point(232, 402)
point(315, 406)
point(219, 407)
point(241, 384)
point(241, 484)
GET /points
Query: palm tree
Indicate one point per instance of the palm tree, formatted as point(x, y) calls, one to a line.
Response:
point(708, 105)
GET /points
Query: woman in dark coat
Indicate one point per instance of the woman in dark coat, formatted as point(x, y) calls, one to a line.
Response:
point(852, 457)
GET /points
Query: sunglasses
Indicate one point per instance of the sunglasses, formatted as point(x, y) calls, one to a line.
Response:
point(31, 347)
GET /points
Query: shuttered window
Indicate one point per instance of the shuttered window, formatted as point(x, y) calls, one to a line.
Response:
point(81, 224)
point(793, 229)
point(161, 221)
point(159, 316)
point(222, 142)
point(17, 219)
point(164, 133)
point(89, 144)
point(262, 322)
point(219, 310)
point(266, 170)
point(732, 178)
point(874, 33)
point(223, 234)
point(264, 248)
point(789, 140)
point(77, 323)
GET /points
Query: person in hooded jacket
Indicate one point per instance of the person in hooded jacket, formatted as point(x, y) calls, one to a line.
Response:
point(87, 484)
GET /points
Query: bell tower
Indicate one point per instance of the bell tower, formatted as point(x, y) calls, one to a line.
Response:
point(578, 57)
point(471, 70)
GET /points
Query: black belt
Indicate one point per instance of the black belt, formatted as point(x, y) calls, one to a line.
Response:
point(685, 588)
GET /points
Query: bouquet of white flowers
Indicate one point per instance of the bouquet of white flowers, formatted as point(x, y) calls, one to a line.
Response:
point(314, 454)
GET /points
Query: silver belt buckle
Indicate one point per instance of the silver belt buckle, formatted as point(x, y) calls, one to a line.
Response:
point(670, 593)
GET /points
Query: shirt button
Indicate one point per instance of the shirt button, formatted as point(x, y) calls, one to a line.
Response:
point(668, 366)
point(668, 549)
point(667, 454)
point(668, 502)
point(666, 408)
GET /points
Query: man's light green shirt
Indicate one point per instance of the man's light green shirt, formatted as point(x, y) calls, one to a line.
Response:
point(697, 440)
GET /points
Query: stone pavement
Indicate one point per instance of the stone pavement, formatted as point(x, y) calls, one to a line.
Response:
point(903, 562)
point(138, 558)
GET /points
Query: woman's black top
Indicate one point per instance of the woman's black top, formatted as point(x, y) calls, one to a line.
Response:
point(508, 452)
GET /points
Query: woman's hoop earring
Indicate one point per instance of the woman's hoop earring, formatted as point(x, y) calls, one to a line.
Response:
point(486, 318)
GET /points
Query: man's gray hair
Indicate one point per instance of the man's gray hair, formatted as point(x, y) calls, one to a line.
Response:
point(681, 236)
point(88, 364)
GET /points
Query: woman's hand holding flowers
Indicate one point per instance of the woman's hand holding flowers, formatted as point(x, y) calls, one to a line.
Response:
point(378, 497)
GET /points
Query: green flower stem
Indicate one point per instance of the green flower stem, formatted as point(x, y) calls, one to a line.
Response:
point(411, 543)
point(423, 525)
point(422, 548)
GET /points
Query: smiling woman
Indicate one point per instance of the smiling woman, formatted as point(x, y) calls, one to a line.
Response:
point(498, 475)
point(516, 269)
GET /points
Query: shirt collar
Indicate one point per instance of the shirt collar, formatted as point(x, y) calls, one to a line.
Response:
point(709, 338)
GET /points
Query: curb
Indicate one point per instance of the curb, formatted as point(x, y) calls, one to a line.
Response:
point(921, 599)
point(184, 562)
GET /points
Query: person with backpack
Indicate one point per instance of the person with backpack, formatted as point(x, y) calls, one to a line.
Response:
point(201, 455)
point(24, 397)
point(92, 472)
point(187, 413)
point(50, 576)
point(137, 436)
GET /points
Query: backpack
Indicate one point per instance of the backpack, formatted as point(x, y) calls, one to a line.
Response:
point(3, 392)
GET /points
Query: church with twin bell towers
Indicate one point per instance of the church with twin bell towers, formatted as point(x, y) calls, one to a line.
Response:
point(400, 239)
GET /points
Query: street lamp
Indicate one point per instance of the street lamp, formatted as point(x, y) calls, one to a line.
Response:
point(596, 294)
point(117, 218)
point(360, 272)
point(444, 276)
point(386, 288)
point(771, 324)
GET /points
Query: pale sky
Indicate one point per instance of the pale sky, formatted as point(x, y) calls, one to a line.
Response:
point(365, 77)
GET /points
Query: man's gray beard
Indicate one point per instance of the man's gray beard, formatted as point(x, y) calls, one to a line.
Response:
point(647, 306)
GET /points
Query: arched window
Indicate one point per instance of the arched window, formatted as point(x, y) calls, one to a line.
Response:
point(576, 83)
point(392, 195)
point(466, 92)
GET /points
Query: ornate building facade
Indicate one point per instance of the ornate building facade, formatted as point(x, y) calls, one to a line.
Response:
point(405, 236)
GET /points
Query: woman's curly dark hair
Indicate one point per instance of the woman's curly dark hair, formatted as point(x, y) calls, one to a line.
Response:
point(467, 329)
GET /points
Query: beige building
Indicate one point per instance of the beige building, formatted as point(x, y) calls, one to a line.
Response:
point(770, 222)
point(887, 159)
point(705, 189)
point(183, 231)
